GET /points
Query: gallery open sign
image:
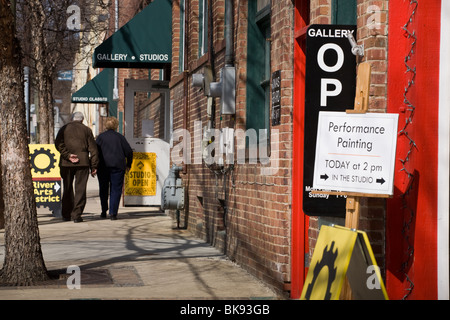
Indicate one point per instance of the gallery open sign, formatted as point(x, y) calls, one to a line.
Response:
point(330, 83)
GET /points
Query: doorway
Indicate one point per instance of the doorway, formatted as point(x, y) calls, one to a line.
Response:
point(148, 128)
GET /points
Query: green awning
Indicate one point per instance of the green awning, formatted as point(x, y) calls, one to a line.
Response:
point(144, 42)
point(97, 90)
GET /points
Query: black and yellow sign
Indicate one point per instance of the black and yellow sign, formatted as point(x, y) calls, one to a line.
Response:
point(47, 191)
point(141, 179)
point(44, 160)
point(342, 252)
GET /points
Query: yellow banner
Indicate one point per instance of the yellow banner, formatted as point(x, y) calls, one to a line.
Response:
point(141, 179)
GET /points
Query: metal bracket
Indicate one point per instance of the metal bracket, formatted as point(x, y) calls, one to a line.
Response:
point(357, 50)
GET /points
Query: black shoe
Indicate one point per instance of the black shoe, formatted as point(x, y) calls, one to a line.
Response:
point(114, 217)
point(66, 219)
point(103, 215)
point(78, 220)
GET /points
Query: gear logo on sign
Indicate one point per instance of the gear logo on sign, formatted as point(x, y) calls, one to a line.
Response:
point(43, 160)
point(328, 260)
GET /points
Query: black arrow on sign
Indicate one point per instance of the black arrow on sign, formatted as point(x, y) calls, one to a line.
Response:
point(381, 181)
point(324, 176)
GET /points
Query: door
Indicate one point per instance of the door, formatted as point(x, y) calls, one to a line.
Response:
point(147, 129)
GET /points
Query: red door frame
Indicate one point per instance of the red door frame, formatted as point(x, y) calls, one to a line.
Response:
point(411, 253)
point(300, 221)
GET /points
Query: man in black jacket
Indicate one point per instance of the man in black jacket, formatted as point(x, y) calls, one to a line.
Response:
point(76, 144)
point(115, 155)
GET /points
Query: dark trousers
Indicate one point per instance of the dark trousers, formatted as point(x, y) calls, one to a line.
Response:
point(110, 181)
point(74, 199)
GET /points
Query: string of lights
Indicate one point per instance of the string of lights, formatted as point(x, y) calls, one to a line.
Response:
point(410, 109)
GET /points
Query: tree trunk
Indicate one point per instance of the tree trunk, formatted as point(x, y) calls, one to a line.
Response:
point(2, 207)
point(24, 263)
point(37, 15)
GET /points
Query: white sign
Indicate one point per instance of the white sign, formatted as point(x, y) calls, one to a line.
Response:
point(356, 152)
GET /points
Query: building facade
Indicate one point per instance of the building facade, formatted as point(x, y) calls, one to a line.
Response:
point(235, 123)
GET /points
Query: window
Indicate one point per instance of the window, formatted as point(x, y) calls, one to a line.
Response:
point(258, 66)
point(343, 12)
point(182, 36)
point(203, 27)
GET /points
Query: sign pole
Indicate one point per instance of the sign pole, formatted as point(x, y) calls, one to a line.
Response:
point(353, 207)
point(361, 106)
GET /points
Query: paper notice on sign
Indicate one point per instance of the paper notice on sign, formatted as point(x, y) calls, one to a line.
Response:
point(356, 152)
point(141, 178)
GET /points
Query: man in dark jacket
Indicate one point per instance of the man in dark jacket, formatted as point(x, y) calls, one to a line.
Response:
point(115, 156)
point(76, 144)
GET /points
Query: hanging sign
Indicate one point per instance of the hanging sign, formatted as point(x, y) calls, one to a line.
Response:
point(339, 253)
point(330, 83)
point(356, 152)
point(276, 98)
point(44, 159)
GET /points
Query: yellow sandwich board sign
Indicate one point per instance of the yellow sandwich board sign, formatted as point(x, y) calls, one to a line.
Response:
point(342, 252)
point(141, 179)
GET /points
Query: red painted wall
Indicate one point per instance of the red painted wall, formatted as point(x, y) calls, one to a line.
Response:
point(411, 223)
point(299, 219)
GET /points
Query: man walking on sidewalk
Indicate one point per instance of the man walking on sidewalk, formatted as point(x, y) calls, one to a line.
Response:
point(115, 156)
point(76, 144)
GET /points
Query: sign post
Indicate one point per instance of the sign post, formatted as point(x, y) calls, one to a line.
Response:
point(355, 154)
point(352, 208)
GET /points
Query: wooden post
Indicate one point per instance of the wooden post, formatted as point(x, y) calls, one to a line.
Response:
point(353, 208)
point(361, 106)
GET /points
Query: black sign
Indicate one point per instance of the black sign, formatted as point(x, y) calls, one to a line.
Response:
point(330, 83)
point(276, 98)
point(47, 193)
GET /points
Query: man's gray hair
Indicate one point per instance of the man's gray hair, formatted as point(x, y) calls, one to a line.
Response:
point(77, 116)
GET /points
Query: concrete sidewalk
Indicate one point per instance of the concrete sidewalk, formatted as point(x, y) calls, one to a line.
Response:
point(142, 255)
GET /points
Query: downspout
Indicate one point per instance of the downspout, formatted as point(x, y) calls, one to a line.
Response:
point(186, 108)
point(211, 59)
point(186, 74)
point(229, 62)
point(116, 71)
point(229, 18)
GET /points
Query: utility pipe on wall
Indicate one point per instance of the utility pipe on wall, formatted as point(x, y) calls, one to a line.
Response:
point(229, 18)
point(116, 71)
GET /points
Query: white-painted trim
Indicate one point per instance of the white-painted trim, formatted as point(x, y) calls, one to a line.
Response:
point(443, 155)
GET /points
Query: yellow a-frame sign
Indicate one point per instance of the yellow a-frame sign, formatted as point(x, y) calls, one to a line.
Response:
point(342, 252)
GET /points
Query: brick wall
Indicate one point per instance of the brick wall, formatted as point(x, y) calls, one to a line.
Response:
point(239, 210)
point(373, 33)
point(244, 213)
